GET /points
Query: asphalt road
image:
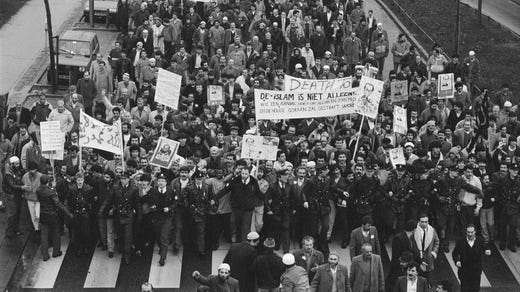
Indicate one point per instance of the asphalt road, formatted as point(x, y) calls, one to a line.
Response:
point(506, 12)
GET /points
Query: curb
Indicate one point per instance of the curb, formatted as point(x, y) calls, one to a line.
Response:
point(424, 53)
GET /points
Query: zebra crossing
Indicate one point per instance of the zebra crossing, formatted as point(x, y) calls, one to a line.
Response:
point(98, 271)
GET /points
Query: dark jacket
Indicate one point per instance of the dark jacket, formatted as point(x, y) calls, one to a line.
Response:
point(199, 200)
point(317, 259)
point(323, 280)
point(125, 203)
point(215, 284)
point(242, 196)
point(268, 269)
point(80, 201)
point(50, 205)
point(240, 258)
point(160, 201)
point(13, 180)
point(357, 239)
point(400, 285)
point(469, 257)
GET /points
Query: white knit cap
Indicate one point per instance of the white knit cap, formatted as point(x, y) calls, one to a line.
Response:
point(14, 159)
point(224, 266)
point(288, 259)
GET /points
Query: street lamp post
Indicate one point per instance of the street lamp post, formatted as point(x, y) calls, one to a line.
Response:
point(52, 66)
point(457, 29)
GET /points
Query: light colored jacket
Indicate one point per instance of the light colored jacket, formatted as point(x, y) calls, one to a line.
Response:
point(295, 279)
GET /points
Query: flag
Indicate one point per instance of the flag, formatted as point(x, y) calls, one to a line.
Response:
point(98, 135)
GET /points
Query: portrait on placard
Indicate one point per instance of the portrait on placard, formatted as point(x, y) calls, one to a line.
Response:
point(164, 153)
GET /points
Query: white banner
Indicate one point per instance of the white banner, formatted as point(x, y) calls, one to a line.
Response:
point(397, 156)
point(400, 121)
point(446, 86)
point(164, 153)
point(168, 88)
point(369, 95)
point(259, 147)
point(313, 85)
point(95, 134)
point(215, 95)
point(52, 138)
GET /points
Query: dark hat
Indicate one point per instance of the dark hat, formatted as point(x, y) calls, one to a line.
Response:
point(513, 166)
point(197, 174)
point(400, 167)
point(233, 128)
point(283, 171)
point(269, 242)
point(184, 168)
point(434, 101)
point(161, 176)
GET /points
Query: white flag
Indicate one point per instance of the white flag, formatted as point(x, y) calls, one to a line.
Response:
point(95, 134)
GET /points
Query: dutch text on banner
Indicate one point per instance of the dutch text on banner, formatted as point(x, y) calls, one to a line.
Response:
point(314, 85)
point(446, 86)
point(259, 147)
point(98, 135)
point(168, 88)
point(368, 97)
point(52, 140)
point(215, 95)
point(399, 91)
point(270, 104)
point(400, 121)
point(397, 156)
point(164, 153)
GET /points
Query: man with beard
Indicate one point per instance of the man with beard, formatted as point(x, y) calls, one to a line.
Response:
point(366, 272)
point(14, 188)
point(163, 203)
point(87, 88)
point(412, 281)
point(106, 221)
point(339, 281)
point(220, 282)
point(131, 91)
point(80, 203)
point(149, 73)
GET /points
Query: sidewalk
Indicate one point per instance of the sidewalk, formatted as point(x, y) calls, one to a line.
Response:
point(23, 37)
point(505, 12)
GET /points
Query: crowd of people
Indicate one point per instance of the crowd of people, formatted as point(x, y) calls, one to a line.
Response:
point(332, 177)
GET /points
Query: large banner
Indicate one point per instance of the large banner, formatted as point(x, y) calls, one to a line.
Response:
point(369, 95)
point(259, 147)
point(165, 153)
point(304, 98)
point(400, 121)
point(168, 88)
point(52, 140)
point(95, 134)
point(446, 86)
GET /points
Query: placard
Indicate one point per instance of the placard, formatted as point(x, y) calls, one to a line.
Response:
point(52, 138)
point(164, 153)
point(446, 86)
point(368, 97)
point(215, 95)
point(168, 88)
point(399, 91)
point(400, 122)
point(397, 156)
point(259, 147)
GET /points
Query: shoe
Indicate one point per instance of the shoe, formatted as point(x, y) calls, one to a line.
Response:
point(104, 247)
point(161, 262)
point(175, 249)
point(512, 248)
point(446, 249)
point(215, 247)
point(59, 254)
point(344, 244)
point(110, 254)
point(2, 207)
point(502, 246)
point(46, 258)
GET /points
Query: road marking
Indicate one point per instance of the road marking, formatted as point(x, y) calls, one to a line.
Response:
point(103, 271)
point(484, 282)
point(512, 260)
point(169, 275)
point(344, 253)
point(42, 275)
point(217, 256)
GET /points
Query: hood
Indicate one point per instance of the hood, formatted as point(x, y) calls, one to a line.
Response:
point(73, 60)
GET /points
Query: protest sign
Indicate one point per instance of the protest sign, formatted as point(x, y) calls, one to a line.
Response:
point(397, 156)
point(400, 121)
point(168, 88)
point(446, 86)
point(164, 154)
point(304, 98)
point(399, 91)
point(215, 95)
point(52, 140)
point(95, 134)
point(368, 97)
point(259, 147)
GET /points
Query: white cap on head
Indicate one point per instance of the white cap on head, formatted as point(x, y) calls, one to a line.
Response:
point(298, 66)
point(252, 236)
point(288, 259)
point(508, 104)
point(409, 144)
point(14, 159)
point(224, 266)
point(472, 53)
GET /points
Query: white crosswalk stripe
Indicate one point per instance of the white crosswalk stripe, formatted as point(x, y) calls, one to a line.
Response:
point(103, 271)
point(512, 260)
point(169, 275)
point(484, 282)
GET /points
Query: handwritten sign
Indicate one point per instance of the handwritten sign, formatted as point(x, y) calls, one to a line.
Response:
point(164, 153)
point(215, 95)
point(259, 147)
point(168, 88)
point(98, 135)
point(400, 122)
point(368, 97)
point(397, 156)
point(446, 86)
point(52, 138)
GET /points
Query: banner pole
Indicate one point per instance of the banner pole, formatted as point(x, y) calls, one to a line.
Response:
point(79, 144)
point(357, 140)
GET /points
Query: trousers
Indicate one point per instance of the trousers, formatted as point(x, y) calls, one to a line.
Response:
point(14, 209)
point(162, 235)
point(50, 230)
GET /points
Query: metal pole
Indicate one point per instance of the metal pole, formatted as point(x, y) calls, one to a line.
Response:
point(52, 66)
point(480, 12)
point(91, 12)
point(457, 29)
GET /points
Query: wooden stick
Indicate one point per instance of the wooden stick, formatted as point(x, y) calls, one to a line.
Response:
point(357, 141)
